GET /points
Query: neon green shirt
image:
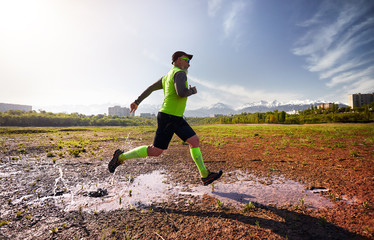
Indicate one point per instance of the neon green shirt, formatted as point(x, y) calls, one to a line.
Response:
point(173, 104)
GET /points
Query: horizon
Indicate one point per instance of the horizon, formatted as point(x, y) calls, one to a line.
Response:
point(97, 109)
point(96, 52)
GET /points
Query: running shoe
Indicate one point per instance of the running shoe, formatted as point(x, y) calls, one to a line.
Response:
point(212, 176)
point(114, 163)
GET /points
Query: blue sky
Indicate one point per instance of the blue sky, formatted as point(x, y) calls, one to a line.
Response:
point(88, 52)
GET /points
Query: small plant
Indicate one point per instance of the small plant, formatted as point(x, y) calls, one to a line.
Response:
point(80, 209)
point(365, 205)
point(130, 193)
point(54, 230)
point(257, 223)
point(333, 197)
point(3, 223)
point(353, 153)
point(272, 168)
point(50, 154)
point(212, 187)
point(220, 204)
point(323, 220)
point(302, 201)
point(19, 214)
point(249, 206)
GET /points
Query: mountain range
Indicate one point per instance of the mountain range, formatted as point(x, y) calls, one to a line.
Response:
point(261, 106)
point(215, 109)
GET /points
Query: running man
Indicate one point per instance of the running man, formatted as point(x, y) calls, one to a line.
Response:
point(170, 119)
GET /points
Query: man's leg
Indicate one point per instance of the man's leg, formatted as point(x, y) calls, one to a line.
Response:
point(197, 156)
point(141, 152)
point(206, 176)
point(119, 157)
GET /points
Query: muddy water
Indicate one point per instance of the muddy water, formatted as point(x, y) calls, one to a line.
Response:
point(87, 186)
point(238, 188)
point(234, 189)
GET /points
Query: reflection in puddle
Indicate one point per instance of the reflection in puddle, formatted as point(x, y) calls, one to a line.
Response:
point(274, 191)
point(234, 189)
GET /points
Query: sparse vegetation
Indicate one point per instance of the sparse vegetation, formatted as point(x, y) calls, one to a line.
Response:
point(220, 204)
point(249, 206)
point(312, 154)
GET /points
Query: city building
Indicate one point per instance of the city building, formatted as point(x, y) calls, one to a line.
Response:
point(118, 111)
point(325, 106)
point(147, 115)
point(359, 100)
point(4, 107)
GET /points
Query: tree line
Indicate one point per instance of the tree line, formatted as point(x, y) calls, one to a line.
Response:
point(48, 119)
point(308, 116)
point(311, 115)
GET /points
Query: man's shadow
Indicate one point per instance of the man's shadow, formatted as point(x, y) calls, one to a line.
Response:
point(296, 225)
point(238, 197)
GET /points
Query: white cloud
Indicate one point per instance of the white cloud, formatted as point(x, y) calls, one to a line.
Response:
point(353, 63)
point(351, 76)
point(213, 7)
point(365, 85)
point(231, 18)
point(333, 43)
point(231, 93)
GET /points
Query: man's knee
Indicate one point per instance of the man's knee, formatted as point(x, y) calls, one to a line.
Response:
point(154, 151)
point(193, 141)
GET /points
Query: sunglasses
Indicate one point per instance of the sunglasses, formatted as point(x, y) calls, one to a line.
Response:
point(187, 60)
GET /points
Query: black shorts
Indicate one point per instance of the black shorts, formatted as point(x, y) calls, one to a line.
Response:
point(167, 126)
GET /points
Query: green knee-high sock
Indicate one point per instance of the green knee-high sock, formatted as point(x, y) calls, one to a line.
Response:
point(139, 152)
point(198, 158)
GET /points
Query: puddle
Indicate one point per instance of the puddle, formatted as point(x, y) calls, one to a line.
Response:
point(238, 188)
point(234, 189)
point(120, 192)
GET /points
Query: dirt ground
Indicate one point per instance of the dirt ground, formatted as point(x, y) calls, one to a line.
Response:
point(32, 162)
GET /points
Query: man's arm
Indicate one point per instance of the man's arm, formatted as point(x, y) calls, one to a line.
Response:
point(180, 79)
point(155, 86)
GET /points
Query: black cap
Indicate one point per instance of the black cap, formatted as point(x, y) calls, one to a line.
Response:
point(179, 54)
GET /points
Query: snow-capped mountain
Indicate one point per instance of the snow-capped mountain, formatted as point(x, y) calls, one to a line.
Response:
point(261, 106)
point(218, 108)
point(215, 109)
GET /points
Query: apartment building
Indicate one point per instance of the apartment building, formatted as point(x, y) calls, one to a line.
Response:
point(325, 106)
point(119, 111)
point(359, 100)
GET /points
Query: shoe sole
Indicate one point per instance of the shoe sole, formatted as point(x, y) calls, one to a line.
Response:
point(210, 180)
point(113, 163)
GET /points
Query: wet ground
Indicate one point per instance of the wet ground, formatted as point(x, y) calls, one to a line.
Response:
point(55, 185)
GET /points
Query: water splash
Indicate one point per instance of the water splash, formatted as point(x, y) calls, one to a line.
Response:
point(60, 178)
point(125, 192)
point(127, 144)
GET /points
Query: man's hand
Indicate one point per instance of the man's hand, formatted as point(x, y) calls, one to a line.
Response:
point(194, 91)
point(133, 107)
